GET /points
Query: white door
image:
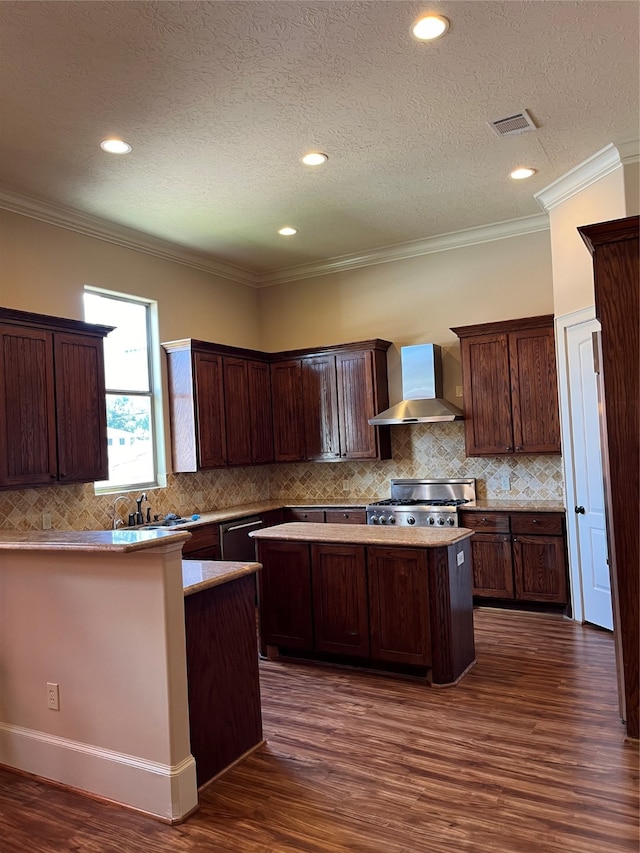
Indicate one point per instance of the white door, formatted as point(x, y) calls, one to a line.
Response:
point(587, 474)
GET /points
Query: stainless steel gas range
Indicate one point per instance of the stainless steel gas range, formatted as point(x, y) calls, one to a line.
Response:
point(422, 503)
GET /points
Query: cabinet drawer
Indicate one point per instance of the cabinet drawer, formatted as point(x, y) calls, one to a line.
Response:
point(316, 515)
point(202, 537)
point(549, 523)
point(490, 522)
point(346, 516)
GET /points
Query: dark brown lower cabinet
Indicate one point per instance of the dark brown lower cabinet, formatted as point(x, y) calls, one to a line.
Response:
point(340, 608)
point(492, 565)
point(539, 568)
point(518, 556)
point(399, 605)
point(284, 595)
point(406, 609)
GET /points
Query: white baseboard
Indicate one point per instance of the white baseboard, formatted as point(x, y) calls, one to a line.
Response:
point(168, 792)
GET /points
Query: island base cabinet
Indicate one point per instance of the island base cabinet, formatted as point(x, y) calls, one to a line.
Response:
point(284, 596)
point(393, 609)
point(225, 719)
point(340, 611)
point(399, 605)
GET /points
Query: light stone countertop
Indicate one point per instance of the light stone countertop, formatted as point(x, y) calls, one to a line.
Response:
point(198, 575)
point(363, 534)
point(123, 540)
point(514, 506)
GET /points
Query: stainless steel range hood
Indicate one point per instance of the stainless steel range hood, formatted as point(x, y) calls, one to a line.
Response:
point(422, 401)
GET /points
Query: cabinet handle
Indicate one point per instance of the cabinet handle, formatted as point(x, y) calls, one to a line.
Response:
point(508, 448)
point(506, 539)
point(518, 447)
point(483, 520)
point(345, 515)
point(535, 520)
point(514, 539)
point(336, 454)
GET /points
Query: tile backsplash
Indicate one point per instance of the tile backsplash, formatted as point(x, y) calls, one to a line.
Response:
point(420, 450)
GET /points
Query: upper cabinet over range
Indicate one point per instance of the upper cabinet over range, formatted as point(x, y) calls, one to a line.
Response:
point(231, 406)
point(53, 423)
point(510, 387)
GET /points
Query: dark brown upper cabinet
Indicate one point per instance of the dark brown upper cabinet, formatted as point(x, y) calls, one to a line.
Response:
point(219, 404)
point(510, 387)
point(53, 424)
point(231, 406)
point(329, 394)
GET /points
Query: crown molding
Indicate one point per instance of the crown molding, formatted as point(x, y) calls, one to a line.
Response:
point(129, 238)
point(402, 251)
point(593, 169)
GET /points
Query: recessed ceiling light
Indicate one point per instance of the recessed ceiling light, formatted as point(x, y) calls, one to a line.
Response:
point(522, 173)
point(115, 146)
point(287, 231)
point(315, 158)
point(430, 27)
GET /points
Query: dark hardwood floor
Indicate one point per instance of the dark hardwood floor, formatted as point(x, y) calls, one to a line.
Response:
point(526, 755)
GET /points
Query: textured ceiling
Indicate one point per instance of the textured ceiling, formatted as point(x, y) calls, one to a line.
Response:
point(221, 99)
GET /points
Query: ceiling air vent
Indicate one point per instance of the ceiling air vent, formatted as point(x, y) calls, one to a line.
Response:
point(510, 125)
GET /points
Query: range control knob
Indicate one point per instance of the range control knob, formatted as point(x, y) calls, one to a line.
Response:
point(382, 519)
point(373, 519)
point(392, 519)
point(411, 520)
point(441, 521)
point(431, 521)
point(450, 521)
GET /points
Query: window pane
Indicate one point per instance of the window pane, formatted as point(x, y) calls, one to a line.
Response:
point(125, 349)
point(130, 440)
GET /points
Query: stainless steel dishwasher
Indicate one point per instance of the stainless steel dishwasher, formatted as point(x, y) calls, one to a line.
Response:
point(235, 542)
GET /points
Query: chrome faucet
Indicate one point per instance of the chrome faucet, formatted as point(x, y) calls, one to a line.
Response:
point(116, 521)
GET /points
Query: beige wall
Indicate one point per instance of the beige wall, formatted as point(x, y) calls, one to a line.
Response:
point(413, 301)
point(43, 268)
point(572, 264)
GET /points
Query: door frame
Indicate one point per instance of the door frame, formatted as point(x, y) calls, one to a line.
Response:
point(562, 325)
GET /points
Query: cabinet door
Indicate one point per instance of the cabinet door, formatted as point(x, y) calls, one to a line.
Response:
point(399, 605)
point(236, 411)
point(260, 412)
point(358, 440)
point(487, 395)
point(80, 408)
point(210, 410)
point(288, 412)
point(492, 565)
point(284, 596)
point(27, 407)
point(540, 568)
point(534, 391)
point(320, 403)
point(340, 610)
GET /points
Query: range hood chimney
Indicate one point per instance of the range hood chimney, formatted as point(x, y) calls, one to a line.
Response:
point(422, 401)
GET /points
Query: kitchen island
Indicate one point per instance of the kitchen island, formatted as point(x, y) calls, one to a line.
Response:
point(389, 599)
point(98, 670)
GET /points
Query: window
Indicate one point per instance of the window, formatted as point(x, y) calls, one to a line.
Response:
point(131, 396)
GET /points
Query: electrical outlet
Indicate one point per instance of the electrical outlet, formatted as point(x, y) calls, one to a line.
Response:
point(198, 497)
point(460, 558)
point(46, 521)
point(53, 696)
point(505, 483)
point(458, 390)
point(346, 486)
